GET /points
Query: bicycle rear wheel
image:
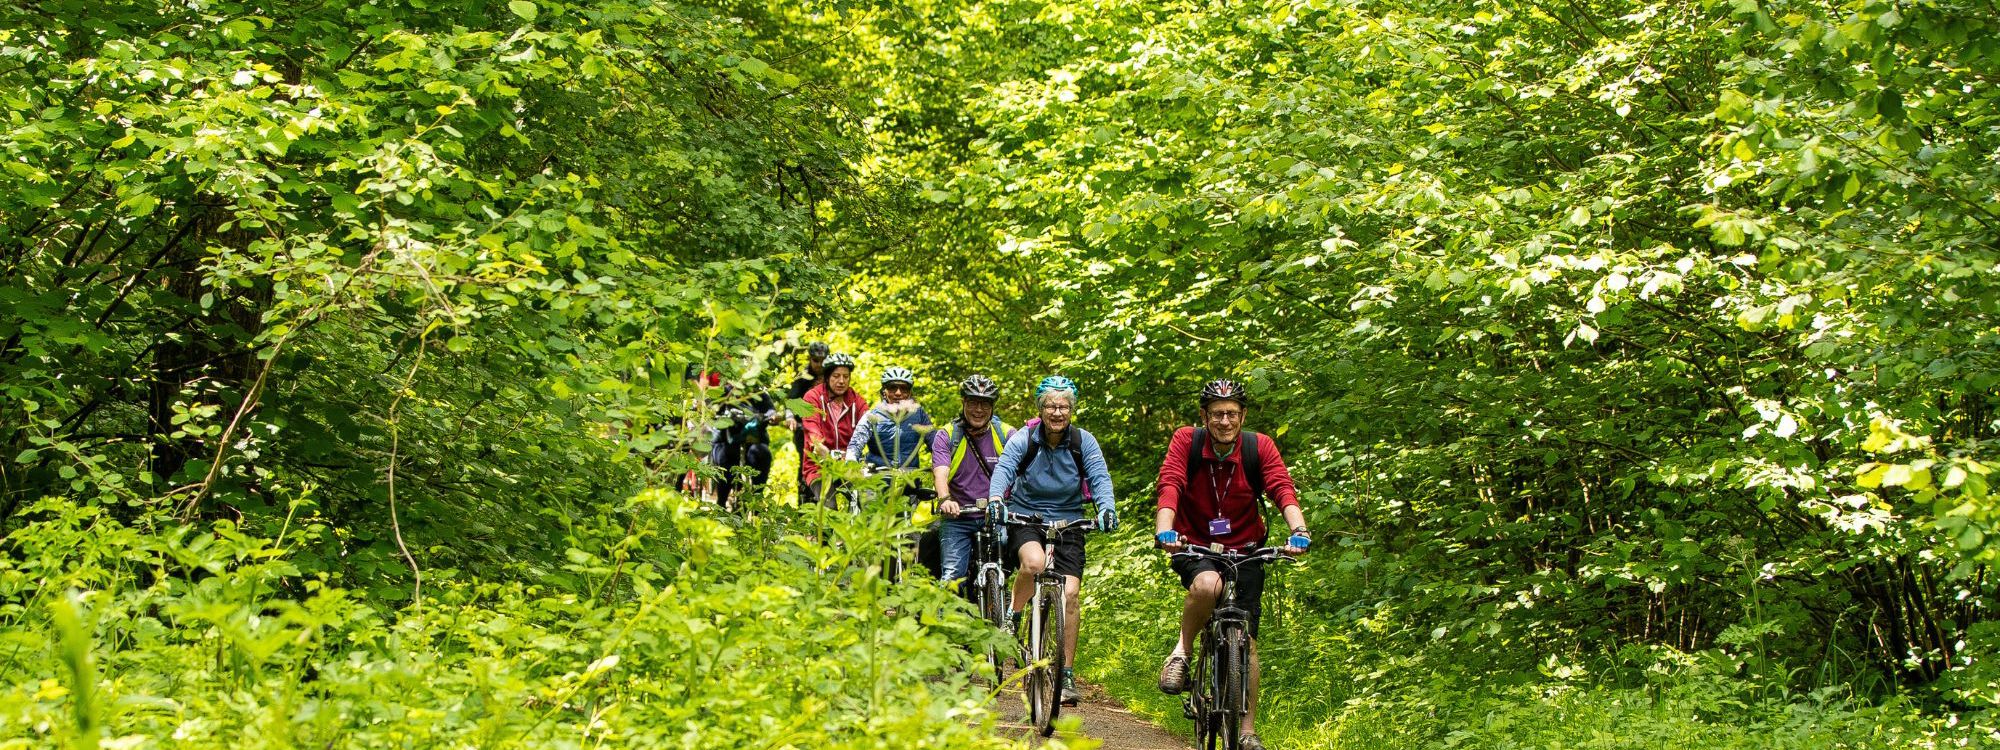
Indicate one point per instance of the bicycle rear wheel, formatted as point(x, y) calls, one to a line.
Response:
point(1052, 642)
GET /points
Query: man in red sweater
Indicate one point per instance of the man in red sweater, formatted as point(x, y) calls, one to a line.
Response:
point(1208, 496)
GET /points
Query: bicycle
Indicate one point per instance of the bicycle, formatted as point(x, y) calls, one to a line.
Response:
point(987, 585)
point(1218, 695)
point(1042, 639)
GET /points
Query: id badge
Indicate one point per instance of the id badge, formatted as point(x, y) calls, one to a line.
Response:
point(1218, 527)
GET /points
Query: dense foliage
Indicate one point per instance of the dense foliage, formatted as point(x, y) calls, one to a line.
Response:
point(1613, 339)
point(667, 628)
point(343, 341)
point(261, 254)
point(1637, 360)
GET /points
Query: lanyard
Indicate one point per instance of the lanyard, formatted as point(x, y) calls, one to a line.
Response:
point(980, 458)
point(1227, 481)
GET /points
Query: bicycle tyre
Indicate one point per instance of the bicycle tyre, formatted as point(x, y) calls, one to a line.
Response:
point(1052, 640)
point(1234, 700)
point(993, 592)
point(1041, 689)
point(1201, 694)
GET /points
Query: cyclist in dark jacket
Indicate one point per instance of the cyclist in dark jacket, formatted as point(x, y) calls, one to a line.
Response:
point(746, 441)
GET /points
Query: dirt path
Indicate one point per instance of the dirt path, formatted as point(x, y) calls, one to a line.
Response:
point(1103, 719)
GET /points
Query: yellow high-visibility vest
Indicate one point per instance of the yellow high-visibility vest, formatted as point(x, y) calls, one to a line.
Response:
point(958, 444)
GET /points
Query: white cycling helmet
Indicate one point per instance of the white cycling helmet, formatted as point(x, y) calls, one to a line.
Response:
point(898, 375)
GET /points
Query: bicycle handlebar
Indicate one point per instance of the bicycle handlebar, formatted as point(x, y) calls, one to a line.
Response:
point(1052, 527)
point(1233, 557)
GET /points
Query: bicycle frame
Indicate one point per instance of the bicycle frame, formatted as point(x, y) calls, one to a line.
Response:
point(988, 549)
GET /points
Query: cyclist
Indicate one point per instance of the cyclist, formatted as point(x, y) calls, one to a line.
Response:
point(1051, 469)
point(1210, 491)
point(890, 436)
point(837, 410)
point(894, 437)
point(962, 459)
point(811, 376)
point(746, 441)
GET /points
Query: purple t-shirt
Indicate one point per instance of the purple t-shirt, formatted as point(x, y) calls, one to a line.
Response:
point(975, 473)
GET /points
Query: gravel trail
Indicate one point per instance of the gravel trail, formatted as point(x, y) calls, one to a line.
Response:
point(1103, 719)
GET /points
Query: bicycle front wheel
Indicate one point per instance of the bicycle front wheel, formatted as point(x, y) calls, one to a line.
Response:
point(1232, 699)
point(1040, 692)
point(993, 606)
point(1052, 634)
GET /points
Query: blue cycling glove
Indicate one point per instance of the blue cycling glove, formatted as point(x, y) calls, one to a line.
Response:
point(1107, 519)
point(1300, 541)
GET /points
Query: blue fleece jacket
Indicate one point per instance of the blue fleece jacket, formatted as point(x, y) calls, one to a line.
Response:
point(893, 438)
point(1050, 487)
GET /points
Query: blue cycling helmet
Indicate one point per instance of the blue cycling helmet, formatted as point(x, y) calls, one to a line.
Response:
point(1055, 383)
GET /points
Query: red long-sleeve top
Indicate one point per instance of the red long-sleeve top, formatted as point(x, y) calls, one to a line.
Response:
point(1199, 504)
point(830, 425)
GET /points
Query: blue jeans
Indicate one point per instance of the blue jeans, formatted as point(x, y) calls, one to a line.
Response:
point(956, 538)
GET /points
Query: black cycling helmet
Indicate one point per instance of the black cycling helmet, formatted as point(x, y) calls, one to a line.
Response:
point(980, 387)
point(1224, 390)
point(816, 349)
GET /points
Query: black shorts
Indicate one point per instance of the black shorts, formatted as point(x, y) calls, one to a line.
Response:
point(1249, 583)
point(1068, 551)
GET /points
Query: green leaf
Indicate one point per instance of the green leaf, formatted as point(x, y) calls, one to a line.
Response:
point(523, 8)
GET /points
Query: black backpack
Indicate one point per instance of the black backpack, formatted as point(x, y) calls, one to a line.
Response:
point(1253, 465)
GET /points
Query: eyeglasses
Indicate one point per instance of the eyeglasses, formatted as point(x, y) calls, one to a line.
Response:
point(1226, 416)
point(1058, 408)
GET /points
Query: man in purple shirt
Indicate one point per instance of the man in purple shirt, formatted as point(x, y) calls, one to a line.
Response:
point(962, 459)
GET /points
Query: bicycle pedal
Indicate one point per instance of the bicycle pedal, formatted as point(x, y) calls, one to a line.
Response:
point(1187, 707)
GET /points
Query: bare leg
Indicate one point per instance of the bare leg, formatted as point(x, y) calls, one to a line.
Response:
point(1072, 614)
point(1033, 559)
point(1201, 596)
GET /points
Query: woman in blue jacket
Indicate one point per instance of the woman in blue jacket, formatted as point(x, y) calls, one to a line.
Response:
point(1063, 478)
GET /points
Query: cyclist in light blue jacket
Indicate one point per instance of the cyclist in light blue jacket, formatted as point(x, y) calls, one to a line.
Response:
point(895, 434)
point(1055, 470)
